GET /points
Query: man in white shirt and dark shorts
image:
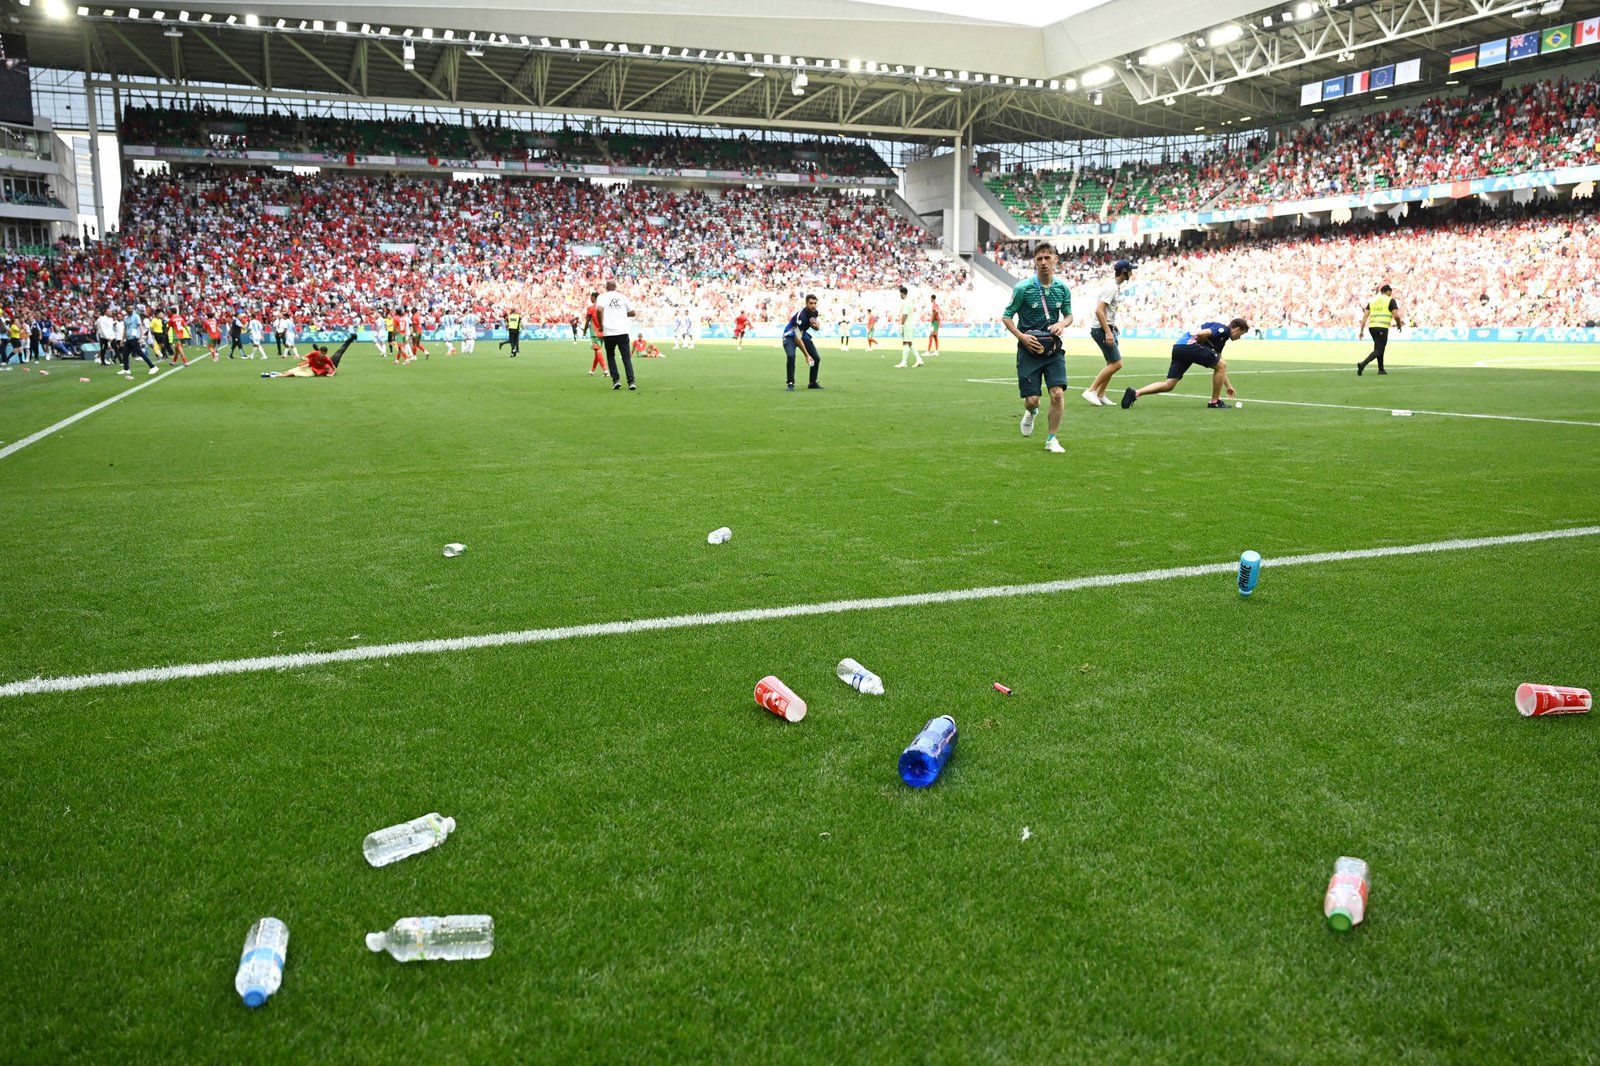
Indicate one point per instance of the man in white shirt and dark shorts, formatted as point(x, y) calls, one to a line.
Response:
point(1104, 332)
point(614, 314)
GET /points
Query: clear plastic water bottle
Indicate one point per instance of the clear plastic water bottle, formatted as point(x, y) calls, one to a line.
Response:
point(407, 839)
point(921, 762)
point(1345, 905)
point(860, 678)
point(451, 938)
point(261, 965)
point(1249, 572)
point(719, 536)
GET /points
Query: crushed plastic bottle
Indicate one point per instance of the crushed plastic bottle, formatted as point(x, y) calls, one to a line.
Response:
point(406, 839)
point(450, 550)
point(1345, 905)
point(451, 938)
point(860, 678)
point(922, 761)
point(719, 536)
point(261, 964)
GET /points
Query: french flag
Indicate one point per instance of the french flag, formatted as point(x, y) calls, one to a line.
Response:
point(1360, 82)
point(1586, 32)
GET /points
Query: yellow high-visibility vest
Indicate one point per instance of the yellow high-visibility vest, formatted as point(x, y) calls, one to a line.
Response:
point(1378, 314)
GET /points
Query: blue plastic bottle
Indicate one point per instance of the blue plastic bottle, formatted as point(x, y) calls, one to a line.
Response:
point(921, 762)
point(1249, 572)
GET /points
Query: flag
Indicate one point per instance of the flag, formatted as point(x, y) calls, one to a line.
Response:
point(1358, 83)
point(1333, 88)
point(1492, 53)
point(1586, 32)
point(1383, 77)
point(1556, 38)
point(1463, 59)
point(1408, 72)
point(1523, 45)
point(1311, 93)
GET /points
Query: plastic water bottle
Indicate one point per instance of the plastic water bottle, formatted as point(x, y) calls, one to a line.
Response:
point(719, 536)
point(261, 965)
point(450, 550)
point(860, 678)
point(406, 839)
point(1249, 572)
point(921, 762)
point(1345, 905)
point(451, 938)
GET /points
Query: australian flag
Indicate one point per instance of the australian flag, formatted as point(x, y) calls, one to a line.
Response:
point(1523, 45)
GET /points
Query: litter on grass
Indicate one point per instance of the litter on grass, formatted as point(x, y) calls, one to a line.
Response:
point(998, 687)
point(1025, 833)
point(1401, 413)
point(453, 550)
point(1539, 700)
point(719, 536)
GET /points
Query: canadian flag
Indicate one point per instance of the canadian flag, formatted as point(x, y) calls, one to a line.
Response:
point(1586, 32)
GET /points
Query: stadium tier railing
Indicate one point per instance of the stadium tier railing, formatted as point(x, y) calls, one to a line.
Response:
point(355, 161)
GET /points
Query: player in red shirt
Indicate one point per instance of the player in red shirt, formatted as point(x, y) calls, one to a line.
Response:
point(319, 364)
point(741, 326)
point(872, 329)
point(180, 333)
point(416, 334)
point(213, 334)
point(645, 350)
point(591, 318)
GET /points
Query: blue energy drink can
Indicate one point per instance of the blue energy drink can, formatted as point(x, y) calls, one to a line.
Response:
point(1249, 572)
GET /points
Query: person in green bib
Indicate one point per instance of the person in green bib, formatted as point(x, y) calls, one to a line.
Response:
point(1039, 313)
point(1382, 311)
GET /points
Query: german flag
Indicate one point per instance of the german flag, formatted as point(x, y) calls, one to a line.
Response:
point(1463, 59)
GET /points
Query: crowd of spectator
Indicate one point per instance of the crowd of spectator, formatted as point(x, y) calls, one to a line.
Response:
point(341, 250)
point(1526, 127)
point(1095, 194)
point(1473, 267)
point(204, 126)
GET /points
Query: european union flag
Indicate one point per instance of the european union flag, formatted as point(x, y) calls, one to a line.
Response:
point(1383, 77)
point(1523, 46)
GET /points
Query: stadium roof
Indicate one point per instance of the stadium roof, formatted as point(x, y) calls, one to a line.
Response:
point(915, 69)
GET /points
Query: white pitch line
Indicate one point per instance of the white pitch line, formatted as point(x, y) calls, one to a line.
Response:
point(1417, 411)
point(301, 660)
point(17, 446)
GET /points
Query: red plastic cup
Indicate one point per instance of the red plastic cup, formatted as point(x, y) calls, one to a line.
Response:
point(780, 699)
point(1534, 700)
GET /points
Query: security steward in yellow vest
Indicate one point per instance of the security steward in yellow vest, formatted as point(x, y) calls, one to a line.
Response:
point(513, 333)
point(1381, 312)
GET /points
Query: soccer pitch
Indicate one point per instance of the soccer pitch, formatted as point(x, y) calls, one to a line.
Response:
point(676, 874)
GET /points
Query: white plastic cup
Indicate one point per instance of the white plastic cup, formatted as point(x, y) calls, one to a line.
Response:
point(719, 536)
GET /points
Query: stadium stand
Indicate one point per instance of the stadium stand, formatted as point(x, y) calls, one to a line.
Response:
point(342, 249)
point(1476, 267)
point(1529, 127)
point(208, 127)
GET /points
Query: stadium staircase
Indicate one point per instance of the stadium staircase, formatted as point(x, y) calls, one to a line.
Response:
point(989, 207)
point(988, 270)
point(1244, 182)
point(1066, 201)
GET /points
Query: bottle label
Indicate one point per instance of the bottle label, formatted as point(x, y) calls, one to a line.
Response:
point(1349, 883)
point(257, 954)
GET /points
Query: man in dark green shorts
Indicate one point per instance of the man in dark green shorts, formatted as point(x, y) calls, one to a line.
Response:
point(1039, 312)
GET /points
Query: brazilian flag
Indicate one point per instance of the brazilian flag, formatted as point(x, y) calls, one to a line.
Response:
point(1555, 39)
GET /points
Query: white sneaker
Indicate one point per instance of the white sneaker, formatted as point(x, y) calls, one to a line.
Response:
point(1053, 445)
point(155, 370)
point(899, 366)
point(916, 364)
point(1027, 423)
point(1093, 397)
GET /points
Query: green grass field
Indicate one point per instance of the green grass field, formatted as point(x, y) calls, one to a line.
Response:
point(678, 875)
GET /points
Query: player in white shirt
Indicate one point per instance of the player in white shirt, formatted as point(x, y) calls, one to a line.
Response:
point(844, 332)
point(288, 337)
point(380, 334)
point(105, 333)
point(1105, 333)
point(447, 331)
point(256, 333)
point(469, 332)
point(908, 345)
point(614, 314)
point(688, 329)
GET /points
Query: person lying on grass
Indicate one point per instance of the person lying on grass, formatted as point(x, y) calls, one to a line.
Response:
point(319, 364)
